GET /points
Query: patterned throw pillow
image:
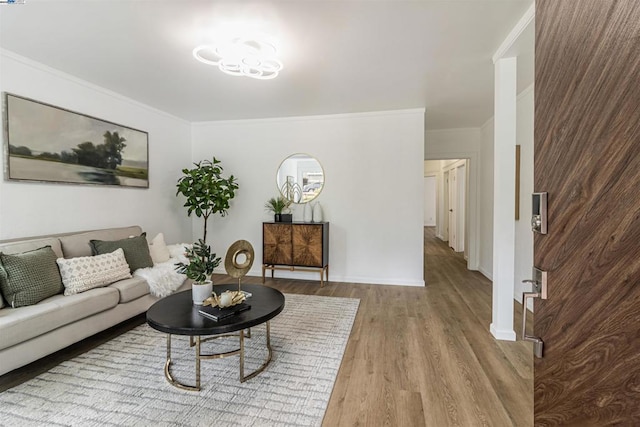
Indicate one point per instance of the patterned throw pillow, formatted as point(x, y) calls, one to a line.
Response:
point(29, 277)
point(87, 272)
point(136, 250)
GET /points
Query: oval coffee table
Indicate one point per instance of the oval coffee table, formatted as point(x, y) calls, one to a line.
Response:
point(177, 315)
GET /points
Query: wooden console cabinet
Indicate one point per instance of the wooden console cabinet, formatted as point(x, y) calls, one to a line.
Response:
point(295, 245)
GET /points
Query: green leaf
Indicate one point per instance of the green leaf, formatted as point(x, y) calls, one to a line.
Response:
point(206, 191)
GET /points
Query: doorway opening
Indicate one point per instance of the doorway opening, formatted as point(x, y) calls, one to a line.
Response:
point(446, 183)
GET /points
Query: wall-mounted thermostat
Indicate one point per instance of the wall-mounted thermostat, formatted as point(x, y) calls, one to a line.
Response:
point(539, 213)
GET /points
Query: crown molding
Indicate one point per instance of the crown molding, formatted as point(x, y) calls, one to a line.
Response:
point(515, 33)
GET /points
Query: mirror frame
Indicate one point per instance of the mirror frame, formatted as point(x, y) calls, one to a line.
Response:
point(296, 187)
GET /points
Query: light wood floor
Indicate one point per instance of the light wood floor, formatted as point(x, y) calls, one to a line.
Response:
point(424, 356)
point(417, 356)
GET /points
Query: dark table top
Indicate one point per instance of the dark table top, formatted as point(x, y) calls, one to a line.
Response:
point(177, 315)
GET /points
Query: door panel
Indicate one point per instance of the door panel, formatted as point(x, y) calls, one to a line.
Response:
point(307, 245)
point(460, 204)
point(587, 157)
point(452, 209)
point(276, 244)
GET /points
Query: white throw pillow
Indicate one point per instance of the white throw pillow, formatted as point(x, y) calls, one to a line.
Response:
point(87, 272)
point(158, 249)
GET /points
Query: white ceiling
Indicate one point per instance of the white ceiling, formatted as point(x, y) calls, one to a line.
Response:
point(339, 56)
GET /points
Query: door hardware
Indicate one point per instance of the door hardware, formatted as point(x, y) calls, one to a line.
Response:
point(539, 212)
point(539, 284)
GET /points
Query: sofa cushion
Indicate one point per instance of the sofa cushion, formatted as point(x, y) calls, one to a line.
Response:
point(29, 277)
point(25, 245)
point(136, 250)
point(131, 289)
point(21, 324)
point(82, 273)
point(78, 244)
point(158, 249)
point(16, 246)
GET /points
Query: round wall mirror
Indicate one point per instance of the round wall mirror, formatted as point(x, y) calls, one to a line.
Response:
point(300, 178)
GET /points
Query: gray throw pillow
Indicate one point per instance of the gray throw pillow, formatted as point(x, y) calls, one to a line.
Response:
point(136, 250)
point(29, 277)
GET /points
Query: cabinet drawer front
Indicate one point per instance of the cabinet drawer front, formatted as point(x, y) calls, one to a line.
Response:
point(277, 254)
point(307, 245)
point(276, 247)
point(276, 234)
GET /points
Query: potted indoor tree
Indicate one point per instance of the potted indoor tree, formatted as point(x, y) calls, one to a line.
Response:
point(206, 190)
point(201, 264)
point(277, 205)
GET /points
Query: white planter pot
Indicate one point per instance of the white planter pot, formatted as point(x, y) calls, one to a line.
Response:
point(201, 291)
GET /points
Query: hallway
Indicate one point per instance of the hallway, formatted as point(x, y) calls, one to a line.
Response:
point(480, 369)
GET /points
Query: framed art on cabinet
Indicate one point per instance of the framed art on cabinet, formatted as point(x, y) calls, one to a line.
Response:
point(45, 143)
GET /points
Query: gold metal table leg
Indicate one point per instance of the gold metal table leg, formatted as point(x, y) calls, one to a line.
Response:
point(167, 368)
point(197, 342)
point(244, 378)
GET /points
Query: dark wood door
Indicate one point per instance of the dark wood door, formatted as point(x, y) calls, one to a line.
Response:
point(307, 245)
point(587, 157)
point(276, 240)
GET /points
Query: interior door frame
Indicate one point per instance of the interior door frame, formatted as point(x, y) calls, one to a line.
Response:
point(461, 217)
point(461, 199)
point(452, 209)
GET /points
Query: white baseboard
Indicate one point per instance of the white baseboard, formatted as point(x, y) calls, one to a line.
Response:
point(315, 276)
point(485, 273)
point(503, 334)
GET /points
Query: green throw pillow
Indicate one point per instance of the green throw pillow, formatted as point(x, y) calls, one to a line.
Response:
point(136, 250)
point(29, 277)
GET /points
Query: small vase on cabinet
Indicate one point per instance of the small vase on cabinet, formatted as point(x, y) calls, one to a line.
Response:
point(317, 212)
point(307, 213)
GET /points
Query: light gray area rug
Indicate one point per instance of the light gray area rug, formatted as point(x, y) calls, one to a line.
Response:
point(122, 383)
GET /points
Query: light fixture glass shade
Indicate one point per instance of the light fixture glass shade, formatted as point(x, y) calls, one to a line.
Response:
point(242, 56)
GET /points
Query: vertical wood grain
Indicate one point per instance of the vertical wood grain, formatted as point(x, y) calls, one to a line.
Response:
point(587, 157)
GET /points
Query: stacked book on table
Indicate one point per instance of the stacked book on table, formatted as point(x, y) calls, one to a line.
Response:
point(217, 313)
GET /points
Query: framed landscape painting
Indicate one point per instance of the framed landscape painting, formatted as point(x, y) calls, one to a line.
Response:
point(46, 143)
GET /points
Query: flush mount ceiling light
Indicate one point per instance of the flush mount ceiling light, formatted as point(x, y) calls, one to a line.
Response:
point(242, 56)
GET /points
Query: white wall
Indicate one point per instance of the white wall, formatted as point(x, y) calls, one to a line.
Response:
point(432, 168)
point(430, 201)
point(461, 143)
point(446, 143)
point(373, 193)
point(486, 200)
point(28, 209)
point(523, 233)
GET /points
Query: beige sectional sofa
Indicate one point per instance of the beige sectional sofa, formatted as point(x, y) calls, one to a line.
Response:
point(31, 332)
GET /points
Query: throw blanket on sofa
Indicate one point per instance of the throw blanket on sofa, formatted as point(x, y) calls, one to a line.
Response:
point(162, 278)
